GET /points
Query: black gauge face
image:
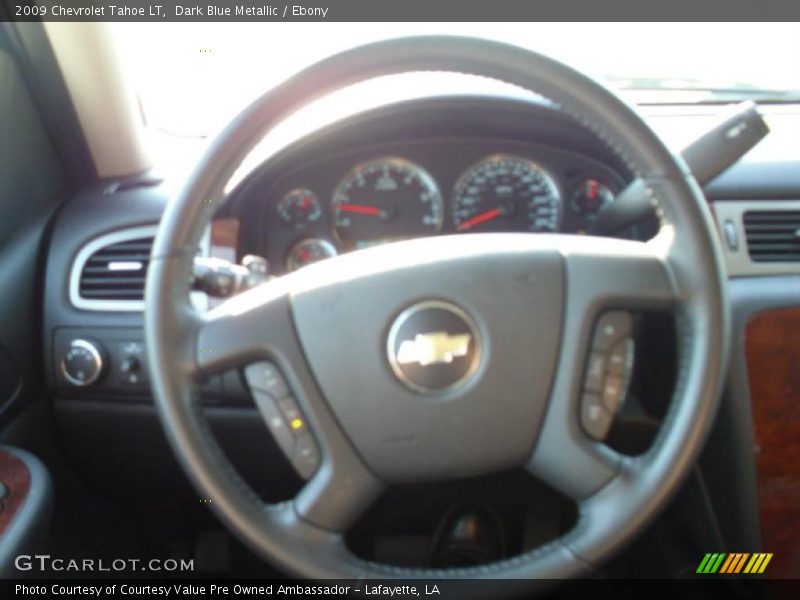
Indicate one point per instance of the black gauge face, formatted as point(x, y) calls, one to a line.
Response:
point(590, 198)
point(309, 251)
point(299, 208)
point(384, 200)
point(506, 193)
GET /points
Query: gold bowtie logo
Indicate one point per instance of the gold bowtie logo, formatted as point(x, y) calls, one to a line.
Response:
point(433, 348)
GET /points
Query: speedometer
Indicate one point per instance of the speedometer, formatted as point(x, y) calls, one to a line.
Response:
point(506, 193)
point(384, 200)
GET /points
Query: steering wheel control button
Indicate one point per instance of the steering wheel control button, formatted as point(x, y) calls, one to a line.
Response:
point(291, 413)
point(283, 417)
point(305, 458)
point(275, 422)
point(620, 360)
point(267, 377)
point(596, 420)
point(608, 371)
point(83, 363)
point(611, 327)
point(434, 347)
point(613, 392)
point(596, 371)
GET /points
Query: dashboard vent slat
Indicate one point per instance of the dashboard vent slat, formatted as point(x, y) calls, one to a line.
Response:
point(122, 294)
point(117, 271)
point(118, 257)
point(773, 236)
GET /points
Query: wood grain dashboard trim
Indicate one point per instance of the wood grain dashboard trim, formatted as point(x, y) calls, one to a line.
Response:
point(16, 477)
point(224, 239)
point(772, 346)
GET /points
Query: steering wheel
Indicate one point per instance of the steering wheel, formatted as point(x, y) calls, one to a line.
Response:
point(443, 357)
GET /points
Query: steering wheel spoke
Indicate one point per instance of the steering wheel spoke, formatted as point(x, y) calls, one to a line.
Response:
point(611, 273)
point(340, 491)
point(250, 327)
point(606, 281)
point(578, 467)
point(255, 331)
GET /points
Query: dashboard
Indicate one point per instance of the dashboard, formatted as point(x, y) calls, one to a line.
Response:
point(421, 159)
point(436, 174)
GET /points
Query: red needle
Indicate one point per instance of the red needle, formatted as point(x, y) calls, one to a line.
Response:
point(592, 185)
point(478, 219)
point(360, 209)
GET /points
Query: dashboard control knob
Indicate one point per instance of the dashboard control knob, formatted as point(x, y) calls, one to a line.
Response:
point(130, 365)
point(83, 363)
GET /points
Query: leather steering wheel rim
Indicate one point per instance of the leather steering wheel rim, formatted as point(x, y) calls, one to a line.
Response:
point(680, 270)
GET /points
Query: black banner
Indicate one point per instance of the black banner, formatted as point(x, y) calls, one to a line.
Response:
point(702, 587)
point(402, 10)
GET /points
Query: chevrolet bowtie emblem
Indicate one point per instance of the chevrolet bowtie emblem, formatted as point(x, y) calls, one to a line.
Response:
point(433, 348)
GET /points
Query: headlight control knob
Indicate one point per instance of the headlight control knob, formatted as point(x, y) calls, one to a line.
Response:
point(83, 363)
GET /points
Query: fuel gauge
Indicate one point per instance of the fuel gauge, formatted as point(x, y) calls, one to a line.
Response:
point(590, 198)
point(299, 208)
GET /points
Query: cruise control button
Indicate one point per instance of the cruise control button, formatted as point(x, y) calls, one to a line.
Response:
point(291, 412)
point(613, 391)
point(595, 418)
point(306, 456)
point(611, 327)
point(620, 359)
point(275, 421)
point(267, 377)
point(595, 372)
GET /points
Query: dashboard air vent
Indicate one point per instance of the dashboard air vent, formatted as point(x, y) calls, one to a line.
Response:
point(773, 236)
point(116, 271)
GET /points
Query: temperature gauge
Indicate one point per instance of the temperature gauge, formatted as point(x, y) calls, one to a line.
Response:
point(309, 251)
point(590, 198)
point(299, 208)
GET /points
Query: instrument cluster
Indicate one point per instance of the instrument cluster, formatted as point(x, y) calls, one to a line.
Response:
point(392, 196)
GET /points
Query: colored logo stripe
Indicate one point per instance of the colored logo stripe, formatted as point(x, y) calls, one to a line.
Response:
point(732, 558)
point(710, 563)
point(734, 563)
point(758, 563)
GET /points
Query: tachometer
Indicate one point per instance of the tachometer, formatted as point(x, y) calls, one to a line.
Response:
point(384, 200)
point(506, 193)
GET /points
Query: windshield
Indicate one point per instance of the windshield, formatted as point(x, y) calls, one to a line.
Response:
point(192, 78)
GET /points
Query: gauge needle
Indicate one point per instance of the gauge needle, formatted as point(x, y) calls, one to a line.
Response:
point(361, 209)
point(481, 218)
